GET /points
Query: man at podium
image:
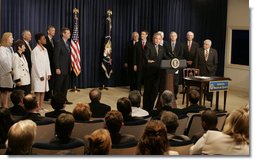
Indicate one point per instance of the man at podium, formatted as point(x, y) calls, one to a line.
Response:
point(152, 72)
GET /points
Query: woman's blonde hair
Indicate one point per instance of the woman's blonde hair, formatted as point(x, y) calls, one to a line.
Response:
point(99, 142)
point(20, 137)
point(82, 112)
point(4, 39)
point(237, 125)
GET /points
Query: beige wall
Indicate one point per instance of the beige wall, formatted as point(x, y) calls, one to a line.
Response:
point(238, 17)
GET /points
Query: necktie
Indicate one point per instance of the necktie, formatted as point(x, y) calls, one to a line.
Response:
point(67, 46)
point(189, 46)
point(29, 47)
point(206, 55)
point(143, 45)
point(157, 49)
point(173, 46)
point(51, 41)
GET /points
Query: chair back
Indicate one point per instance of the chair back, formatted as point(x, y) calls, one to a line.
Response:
point(73, 151)
point(221, 120)
point(45, 132)
point(182, 125)
point(182, 150)
point(194, 125)
point(189, 72)
point(86, 128)
point(123, 151)
point(135, 130)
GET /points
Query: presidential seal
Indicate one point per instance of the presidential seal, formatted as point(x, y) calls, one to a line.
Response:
point(175, 63)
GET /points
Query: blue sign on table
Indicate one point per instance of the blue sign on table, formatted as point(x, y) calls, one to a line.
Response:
point(218, 86)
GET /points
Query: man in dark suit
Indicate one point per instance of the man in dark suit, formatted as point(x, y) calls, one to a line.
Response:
point(17, 100)
point(27, 37)
point(175, 49)
point(50, 44)
point(98, 109)
point(62, 59)
point(138, 58)
point(207, 59)
point(163, 42)
point(128, 61)
point(154, 53)
point(190, 50)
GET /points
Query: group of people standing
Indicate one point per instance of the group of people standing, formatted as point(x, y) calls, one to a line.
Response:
point(143, 58)
point(42, 69)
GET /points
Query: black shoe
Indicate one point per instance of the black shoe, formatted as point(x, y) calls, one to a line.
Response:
point(68, 102)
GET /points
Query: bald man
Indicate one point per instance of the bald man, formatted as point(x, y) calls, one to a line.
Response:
point(190, 50)
point(207, 59)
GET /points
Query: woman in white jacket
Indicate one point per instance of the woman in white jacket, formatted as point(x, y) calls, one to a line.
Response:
point(233, 140)
point(40, 69)
point(21, 74)
point(6, 82)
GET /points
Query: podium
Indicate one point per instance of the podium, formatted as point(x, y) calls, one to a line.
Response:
point(171, 66)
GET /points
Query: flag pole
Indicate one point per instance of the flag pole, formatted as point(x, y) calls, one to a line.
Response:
point(107, 54)
point(75, 51)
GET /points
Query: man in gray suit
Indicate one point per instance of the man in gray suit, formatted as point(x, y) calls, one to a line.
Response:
point(207, 59)
point(62, 59)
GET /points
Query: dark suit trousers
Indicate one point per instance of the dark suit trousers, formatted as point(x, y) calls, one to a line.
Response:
point(151, 83)
point(176, 82)
point(62, 84)
point(137, 80)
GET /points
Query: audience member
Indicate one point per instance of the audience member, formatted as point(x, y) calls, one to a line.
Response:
point(99, 142)
point(18, 106)
point(114, 122)
point(97, 108)
point(166, 105)
point(63, 128)
point(170, 120)
point(58, 104)
point(135, 98)
point(82, 112)
point(5, 124)
point(209, 121)
point(194, 97)
point(124, 106)
point(31, 107)
point(154, 140)
point(21, 75)
point(233, 140)
point(20, 138)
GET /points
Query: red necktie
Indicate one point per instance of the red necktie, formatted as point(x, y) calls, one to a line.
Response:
point(143, 45)
point(189, 46)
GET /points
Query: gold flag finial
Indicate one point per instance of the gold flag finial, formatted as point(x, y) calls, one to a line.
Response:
point(109, 12)
point(75, 11)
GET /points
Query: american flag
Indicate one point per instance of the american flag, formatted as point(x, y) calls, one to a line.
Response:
point(75, 49)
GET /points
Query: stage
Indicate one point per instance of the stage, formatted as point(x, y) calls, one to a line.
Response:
point(235, 99)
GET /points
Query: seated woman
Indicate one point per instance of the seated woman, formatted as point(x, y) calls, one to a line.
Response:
point(58, 103)
point(99, 143)
point(233, 140)
point(63, 128)
point(20, 138)
point(114, 122)
point(154, 140)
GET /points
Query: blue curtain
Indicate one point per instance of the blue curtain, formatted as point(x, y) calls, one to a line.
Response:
point(206, 18)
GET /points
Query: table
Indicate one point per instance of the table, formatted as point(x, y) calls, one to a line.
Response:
point(202, 82)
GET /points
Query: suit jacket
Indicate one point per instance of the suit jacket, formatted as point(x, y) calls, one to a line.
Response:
point(123, 140)
point(209, 67)
point(129, 55)
point(62, 57)
point(218, 143)
point(139, 54)
point(50, 49)
point(18, 110)
point(192, 54)
point(20, 70)
point(151, 54)
point(99, 110)
point(38, 119)
point(27, 54)
point(178, 51)
point(194, 108)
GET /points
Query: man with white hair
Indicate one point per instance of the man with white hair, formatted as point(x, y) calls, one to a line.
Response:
point(27, 37)
point(207, 59)
point(190, 50)
point(163, 42)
